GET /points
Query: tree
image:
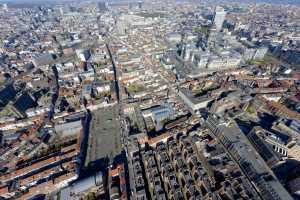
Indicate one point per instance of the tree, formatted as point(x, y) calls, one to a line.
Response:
point(91, 196)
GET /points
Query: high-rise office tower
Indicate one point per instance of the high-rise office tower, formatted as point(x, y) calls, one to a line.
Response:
point(5, 7)
point(140, 4)
point(219, 18)
point(61, 11)
point(120, 27)
point(103, 6)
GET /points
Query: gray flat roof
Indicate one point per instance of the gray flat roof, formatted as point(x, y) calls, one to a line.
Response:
point(104, 137)
point(189, 94)
point(247, 152)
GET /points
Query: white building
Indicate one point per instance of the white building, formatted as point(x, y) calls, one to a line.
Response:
point(121, 27)
point(83, 54)
point(260, 53)
point(216, 63)
point(194, 103)
point(5, 7)
point(219, 17)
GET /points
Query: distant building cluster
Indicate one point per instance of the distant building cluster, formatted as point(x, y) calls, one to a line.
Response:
point(149, 99)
